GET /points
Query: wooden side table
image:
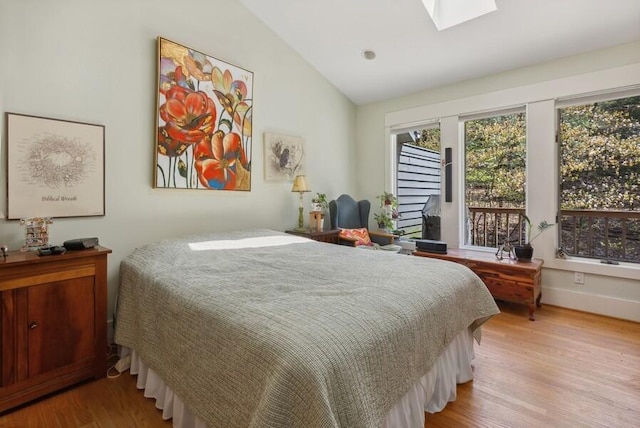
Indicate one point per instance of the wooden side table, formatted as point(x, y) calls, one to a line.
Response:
point(329, 236)
point(506, 279)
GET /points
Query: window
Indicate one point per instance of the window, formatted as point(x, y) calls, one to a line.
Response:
point(599, 146)
point(418, 182)
point(494, 178)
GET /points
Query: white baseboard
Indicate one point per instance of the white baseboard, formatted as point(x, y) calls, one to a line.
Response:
point(593, 303)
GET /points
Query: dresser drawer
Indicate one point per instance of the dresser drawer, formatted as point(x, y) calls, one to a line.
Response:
point(510, 290)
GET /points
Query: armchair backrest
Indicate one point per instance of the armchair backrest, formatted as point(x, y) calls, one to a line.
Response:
point(346, 213)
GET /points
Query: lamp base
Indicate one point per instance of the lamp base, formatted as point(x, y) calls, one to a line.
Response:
point(300, 217)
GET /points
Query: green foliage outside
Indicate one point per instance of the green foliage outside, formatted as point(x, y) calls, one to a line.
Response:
point(600, 155)
point(429, 139)
point(600, 158)
point(496, 160)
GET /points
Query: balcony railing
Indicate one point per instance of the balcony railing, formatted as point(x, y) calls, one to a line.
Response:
point(608, 235)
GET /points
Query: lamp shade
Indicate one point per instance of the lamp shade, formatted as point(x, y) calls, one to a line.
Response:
point(300, 184)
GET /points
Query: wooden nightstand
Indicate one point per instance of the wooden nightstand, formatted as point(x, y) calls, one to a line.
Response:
point(506, 279)
point(53, 323)
point(330, 236)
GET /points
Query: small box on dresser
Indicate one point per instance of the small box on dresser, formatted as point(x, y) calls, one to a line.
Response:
point(53, 322)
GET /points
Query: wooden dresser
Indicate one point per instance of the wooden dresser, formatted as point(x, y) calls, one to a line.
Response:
point(53, 322)
point(506, 279)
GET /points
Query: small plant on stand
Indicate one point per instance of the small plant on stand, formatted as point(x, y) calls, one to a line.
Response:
point(319, 202)
point(319, 205)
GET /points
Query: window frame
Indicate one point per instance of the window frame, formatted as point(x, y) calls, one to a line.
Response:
point(463, 227)
point(395, 152)
point(579, 100)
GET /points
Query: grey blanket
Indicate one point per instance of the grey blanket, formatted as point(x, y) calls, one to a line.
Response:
point(305, 334)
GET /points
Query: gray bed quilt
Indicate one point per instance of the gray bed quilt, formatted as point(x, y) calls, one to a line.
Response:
point(264, 329)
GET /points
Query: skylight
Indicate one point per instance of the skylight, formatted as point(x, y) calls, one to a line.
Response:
point(447, 13)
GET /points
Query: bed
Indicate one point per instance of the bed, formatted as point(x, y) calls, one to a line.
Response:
point(264, 329)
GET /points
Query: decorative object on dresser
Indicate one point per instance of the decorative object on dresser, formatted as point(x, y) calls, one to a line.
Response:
point(300, 185)
point(505, 250)
point(506, 279)
point(36, 232)
point(80, 243)
point(54, 322)
point(55, 168)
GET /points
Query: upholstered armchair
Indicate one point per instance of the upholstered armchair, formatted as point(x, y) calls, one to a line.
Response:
point(351, 217)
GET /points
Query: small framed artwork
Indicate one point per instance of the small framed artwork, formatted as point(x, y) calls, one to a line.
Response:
point(203, 121)
point(55, 168)
point(284, 157)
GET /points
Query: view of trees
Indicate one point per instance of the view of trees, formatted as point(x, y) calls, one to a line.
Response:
point(600, 170)
point(600, 155)
point(496, 160)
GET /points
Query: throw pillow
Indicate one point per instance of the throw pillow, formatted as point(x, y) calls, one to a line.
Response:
point(362, 236)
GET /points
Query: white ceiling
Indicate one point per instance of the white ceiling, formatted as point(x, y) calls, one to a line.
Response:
point(412, 55)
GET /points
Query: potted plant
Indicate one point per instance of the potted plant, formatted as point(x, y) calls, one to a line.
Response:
point(384, 221)
point(319, 202)
point(524, 253)
point(389, 204)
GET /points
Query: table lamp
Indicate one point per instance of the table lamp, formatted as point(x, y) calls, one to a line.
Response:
point(300, 186)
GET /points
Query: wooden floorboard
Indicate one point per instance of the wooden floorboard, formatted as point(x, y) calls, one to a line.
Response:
point(566, 369)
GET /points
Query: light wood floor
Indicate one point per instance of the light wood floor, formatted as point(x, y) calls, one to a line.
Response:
point(566, 369)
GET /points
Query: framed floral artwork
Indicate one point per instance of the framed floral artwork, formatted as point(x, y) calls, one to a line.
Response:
point(203, 121)
point(284, 157)
point(55, 168)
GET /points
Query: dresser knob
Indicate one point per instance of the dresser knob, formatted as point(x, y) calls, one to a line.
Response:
point(33, 325)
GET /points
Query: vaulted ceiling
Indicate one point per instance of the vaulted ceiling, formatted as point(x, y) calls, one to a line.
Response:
point(411, 55)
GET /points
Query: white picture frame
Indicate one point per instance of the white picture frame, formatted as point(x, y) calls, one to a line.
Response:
point(55, 168)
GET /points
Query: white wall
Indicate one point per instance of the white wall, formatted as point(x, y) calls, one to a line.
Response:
point(608, 290)
point(95, 61)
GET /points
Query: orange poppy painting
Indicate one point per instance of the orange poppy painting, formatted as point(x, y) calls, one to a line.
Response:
point(203, 138)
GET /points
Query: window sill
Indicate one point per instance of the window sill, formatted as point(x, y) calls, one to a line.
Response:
point(592, 266)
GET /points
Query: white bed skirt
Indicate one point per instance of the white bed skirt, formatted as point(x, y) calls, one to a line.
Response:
point(431, 393)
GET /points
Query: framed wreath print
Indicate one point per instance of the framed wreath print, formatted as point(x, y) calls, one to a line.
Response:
point(203, 121)
point(55, 168)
